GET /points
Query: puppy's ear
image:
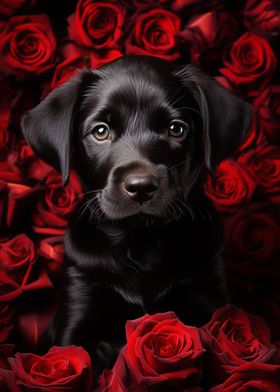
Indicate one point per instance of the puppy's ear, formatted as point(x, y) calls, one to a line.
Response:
point(49, 126)
point(225, 118)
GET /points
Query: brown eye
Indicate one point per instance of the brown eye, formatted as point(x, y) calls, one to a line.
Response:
point(101, 132)
point(178, 130)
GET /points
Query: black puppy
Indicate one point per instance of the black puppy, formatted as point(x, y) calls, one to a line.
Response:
point(144, 239)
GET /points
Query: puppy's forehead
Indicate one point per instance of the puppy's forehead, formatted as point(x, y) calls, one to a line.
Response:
point(130, 84)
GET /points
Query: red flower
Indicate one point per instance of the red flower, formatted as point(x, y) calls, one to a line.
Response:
point(97, 24)
point(53, 210)
point(161, 352)
point(252, 377)
point(264, 166)
point(206, 34)
point(267, 106)
point(61, 369)
point(230, 186)
point(153, 34)
point(27, 45)
point(263, 17)
point(234, 338)
point(17, 259)
point(252, 239)
point(250, 63)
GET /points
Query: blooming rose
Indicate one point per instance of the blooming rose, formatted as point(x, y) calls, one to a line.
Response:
point(252, 241)
point(153, 33)
point(53, 210)
point(6, 322)
point(16, 269)
point(264, 166)
point(233, 338)
point(252, 377)
point(250, 63)
point(267, 106)
point(27, 45)
point(97, 24)
point(230, 186)
point(61, 369)
point(263, 17)
point(161, 352)
point(205, 36)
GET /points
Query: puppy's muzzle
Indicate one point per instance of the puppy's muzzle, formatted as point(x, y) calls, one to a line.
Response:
point(140, 187)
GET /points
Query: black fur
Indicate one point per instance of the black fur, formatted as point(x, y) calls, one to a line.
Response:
point(126, 256)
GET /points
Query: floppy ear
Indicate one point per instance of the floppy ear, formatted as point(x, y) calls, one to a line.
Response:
point(49, 126)
point(225, 118)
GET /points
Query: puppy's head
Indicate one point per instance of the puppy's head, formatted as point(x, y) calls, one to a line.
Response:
point(142, 132)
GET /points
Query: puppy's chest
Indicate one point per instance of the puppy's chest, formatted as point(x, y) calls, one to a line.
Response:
point(150, 269)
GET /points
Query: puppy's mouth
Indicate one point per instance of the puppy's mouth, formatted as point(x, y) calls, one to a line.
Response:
point(162, 207)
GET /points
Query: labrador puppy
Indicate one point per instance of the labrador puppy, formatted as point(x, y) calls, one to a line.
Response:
point(142, 135)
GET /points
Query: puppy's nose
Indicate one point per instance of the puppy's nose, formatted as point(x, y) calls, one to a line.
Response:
point(141, 188)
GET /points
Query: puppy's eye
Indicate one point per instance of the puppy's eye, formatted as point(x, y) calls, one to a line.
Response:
point(101, 132)
point(178, 130)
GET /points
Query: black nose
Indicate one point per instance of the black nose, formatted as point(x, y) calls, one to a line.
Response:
point(141, 187)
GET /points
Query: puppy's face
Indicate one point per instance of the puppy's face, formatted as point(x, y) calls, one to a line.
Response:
point(141, 132)
point(135, 142)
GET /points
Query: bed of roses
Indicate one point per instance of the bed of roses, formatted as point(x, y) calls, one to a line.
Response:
point(42, 44)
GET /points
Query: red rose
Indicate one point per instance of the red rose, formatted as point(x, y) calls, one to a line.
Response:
point(53, 210)
point(252, 239)
point(250, 63)
point(153, 33)
point(161, 352)
point(233, 338)
point(252, 377)
point(205, 36)
point(16, 270)
point(6, 322)
point(263, 17)
point(267, 106)
point(97, 24)
point(61, 369)
point(264, 166)
point(27, 45)
point(230, 186)
point(8, 7)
